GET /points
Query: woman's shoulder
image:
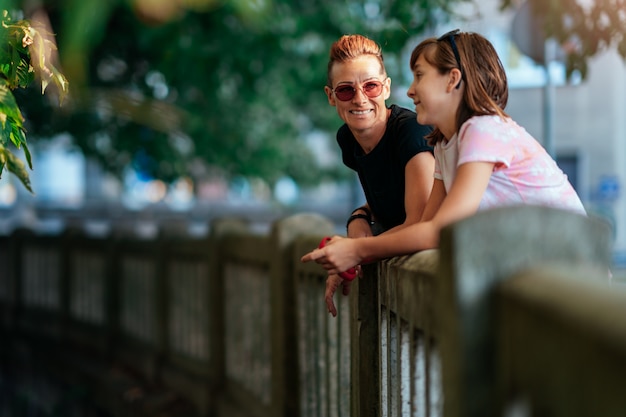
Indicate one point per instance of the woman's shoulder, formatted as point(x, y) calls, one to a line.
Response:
point(344, 134)
point(402, 113)
point(404, 118)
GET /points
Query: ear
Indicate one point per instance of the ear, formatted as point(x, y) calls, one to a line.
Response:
point(387, 87)
point(455, 78)
point(330, 95)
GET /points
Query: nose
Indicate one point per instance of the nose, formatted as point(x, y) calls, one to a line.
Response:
point(410, 91)
point(359, 96)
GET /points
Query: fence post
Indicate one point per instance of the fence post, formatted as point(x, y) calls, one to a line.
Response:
point(12, 269)
point(112, 293)
point(475, 254)
point(65, 279)
point(217, 360)
point(18, 237)
point(285, 365)
point(365, 352)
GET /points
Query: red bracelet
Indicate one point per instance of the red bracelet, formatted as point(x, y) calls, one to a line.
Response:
point(349, 274)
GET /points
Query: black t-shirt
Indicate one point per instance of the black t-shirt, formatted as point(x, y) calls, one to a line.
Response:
point(381, 171)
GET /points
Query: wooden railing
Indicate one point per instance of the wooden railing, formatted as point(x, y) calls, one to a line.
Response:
point(213, 319)
point(236, 325)
point(410, 362)
point(562, 343)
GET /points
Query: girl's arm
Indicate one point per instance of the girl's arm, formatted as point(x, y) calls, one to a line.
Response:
point(462, 201)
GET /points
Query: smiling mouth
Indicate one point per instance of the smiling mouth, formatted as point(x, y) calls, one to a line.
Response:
point(361, 112)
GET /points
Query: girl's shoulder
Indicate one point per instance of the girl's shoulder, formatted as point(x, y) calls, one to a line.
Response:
point(488, 123)
point(488, 119)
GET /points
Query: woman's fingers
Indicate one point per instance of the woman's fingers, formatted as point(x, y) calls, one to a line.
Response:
point(332, 283)
point(346, 287)
point(314, 255)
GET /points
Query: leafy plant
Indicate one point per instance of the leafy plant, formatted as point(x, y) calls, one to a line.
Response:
point(24, 58)
point(582, 29)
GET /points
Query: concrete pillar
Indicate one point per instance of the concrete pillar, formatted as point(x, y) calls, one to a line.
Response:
point(477, 253)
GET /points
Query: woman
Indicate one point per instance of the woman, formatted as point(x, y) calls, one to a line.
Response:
point(384, 145)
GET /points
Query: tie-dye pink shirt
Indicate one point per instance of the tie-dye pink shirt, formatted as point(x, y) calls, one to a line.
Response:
point(524, 173)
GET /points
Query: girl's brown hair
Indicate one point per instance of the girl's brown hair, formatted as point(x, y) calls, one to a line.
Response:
point(484, 79)
point(349, 47)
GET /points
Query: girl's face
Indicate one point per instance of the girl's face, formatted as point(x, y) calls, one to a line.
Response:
point(435, 97)
point(360, 112)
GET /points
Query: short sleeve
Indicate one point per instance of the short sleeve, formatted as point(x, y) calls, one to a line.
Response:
point(410, 137)
point(486, 139)
point(347, 143)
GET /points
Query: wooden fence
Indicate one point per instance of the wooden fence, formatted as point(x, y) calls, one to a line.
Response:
point(513, 315)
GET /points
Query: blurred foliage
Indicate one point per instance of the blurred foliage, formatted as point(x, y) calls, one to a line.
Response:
point(187, 87)
point(581, 28)
point(180, 88)
point(26, 53)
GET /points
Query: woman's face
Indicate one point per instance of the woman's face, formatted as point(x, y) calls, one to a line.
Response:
point(360, 112)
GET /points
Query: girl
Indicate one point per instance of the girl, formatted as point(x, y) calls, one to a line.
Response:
point(483, 159)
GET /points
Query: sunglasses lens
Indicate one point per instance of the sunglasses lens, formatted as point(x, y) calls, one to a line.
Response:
point(345, 92)
point(371, 89)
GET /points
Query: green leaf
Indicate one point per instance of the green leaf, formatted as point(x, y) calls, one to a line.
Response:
point(25, 74)
point(15, 166)
point(61, 82)
point(9, 108)
point(27, 155)
point(17, 136)
point(13, 79)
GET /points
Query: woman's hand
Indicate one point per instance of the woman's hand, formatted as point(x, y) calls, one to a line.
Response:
point(332, 284)
point(338, 255)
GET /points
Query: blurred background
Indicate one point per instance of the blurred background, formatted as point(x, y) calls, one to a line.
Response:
point(180, 111)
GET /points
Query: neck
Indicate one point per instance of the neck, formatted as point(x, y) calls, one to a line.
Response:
point(368, 139)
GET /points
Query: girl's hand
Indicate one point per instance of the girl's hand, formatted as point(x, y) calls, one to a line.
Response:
point(338, 255)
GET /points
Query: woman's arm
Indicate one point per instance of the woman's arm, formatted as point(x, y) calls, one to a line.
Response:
point(418, 182)
point(462, 201)
point(360, 227)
